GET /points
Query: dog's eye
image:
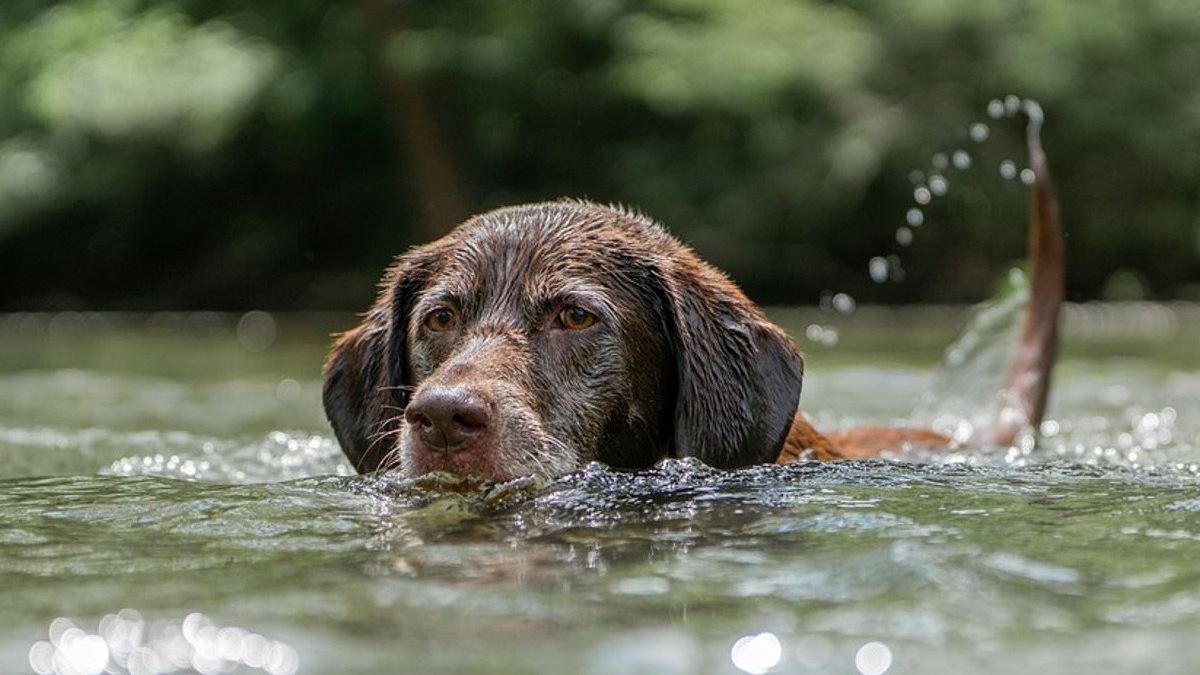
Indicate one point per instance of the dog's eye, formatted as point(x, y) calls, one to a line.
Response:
point(441, 319)
point(576, 318)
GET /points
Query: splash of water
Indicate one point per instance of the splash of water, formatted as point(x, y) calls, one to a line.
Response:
point(934, 182)
point(963, 396)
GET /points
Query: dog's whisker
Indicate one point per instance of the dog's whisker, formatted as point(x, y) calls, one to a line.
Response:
point(389, 460)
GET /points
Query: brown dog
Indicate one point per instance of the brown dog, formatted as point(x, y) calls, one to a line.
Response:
point(537, 338)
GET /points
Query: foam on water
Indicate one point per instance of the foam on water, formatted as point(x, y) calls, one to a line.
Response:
point(280, 455)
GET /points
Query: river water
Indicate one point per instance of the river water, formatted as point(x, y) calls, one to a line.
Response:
point(171, 501)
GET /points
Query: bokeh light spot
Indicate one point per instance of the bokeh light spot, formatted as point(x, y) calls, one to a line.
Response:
point(756, 654)
point(873, 658)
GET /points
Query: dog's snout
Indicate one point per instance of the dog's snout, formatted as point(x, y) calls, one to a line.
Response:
point(449, 418)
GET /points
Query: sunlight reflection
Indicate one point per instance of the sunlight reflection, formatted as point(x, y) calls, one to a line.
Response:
point(756, 654)
point(125, 644)
point(873, 658)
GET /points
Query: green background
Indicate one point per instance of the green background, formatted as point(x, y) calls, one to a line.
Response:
point(226, 155)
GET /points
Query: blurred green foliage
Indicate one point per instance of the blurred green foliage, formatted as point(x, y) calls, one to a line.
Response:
point(227, 154)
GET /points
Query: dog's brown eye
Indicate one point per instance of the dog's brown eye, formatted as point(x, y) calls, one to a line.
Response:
point(441, 319)
point(576, 318)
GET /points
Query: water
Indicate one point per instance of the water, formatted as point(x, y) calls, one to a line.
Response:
point(932, 184)
point(171, 501)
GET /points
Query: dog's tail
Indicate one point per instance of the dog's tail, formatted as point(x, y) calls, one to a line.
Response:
point(1023, 397)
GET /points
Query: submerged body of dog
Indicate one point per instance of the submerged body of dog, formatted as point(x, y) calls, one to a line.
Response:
point(537, 338)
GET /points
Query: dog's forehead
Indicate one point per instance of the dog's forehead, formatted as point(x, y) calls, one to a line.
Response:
point(551, 240)
point(520, 260)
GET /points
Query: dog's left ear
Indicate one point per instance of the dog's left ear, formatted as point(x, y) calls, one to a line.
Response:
point(739, 374)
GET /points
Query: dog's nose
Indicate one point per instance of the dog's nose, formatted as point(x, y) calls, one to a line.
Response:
point(448, 418)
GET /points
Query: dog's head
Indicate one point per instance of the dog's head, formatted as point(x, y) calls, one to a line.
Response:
point(536, 338)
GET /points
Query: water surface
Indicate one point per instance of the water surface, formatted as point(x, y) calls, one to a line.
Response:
point(171, 500)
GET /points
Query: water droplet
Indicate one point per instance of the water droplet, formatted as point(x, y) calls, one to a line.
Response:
point(1008, 169)
point(878, 268)
point(962, 160)
point(916, 176)
point(940, 161)
point(844, 303)
point(980, 131)
point(995, 108)
point(895, 269)
point(938, 185)
point(1033, 110)
point(822, 335)
point(904, 236)
point(915, 217)
point(1012, 105)
point(921, 195)
point(1027, 176)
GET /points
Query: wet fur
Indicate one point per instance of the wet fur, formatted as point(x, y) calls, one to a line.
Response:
point(681, 363)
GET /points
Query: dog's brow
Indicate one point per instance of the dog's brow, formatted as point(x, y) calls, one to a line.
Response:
point(587, 293)
point(445, 293)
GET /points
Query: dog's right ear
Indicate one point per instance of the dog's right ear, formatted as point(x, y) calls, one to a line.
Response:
point(366, 374)
point(352, 393)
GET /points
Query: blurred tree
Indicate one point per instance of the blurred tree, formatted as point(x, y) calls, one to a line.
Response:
point(222, 153)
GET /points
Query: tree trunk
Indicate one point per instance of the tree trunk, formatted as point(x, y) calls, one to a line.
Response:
point(435, 182)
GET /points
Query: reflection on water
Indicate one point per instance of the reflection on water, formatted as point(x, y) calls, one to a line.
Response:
point(873, 658)
point(280, 456)
point(756, 654)
point(205, 491)
point(125, 644)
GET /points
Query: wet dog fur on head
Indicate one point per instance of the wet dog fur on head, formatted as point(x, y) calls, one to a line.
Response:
point(537, 338)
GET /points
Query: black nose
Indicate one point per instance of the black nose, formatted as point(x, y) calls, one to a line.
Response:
point(448, 418)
